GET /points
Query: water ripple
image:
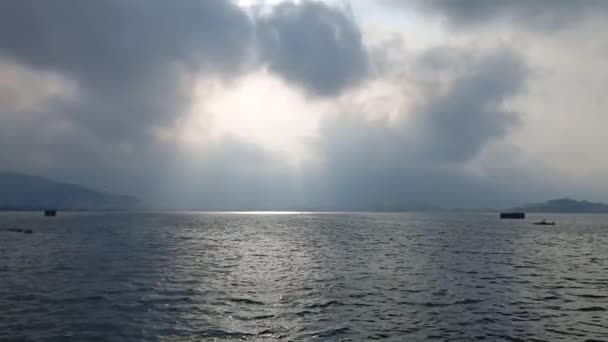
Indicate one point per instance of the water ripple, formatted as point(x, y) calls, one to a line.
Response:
point(310, 277)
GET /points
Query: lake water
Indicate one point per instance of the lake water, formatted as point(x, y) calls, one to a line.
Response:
point(303, 277)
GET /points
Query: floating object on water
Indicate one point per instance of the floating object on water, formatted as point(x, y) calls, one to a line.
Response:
point(50, 212)
point(513, 215)
point(19, 230)
point(544, 223)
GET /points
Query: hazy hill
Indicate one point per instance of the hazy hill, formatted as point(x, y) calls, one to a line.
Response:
point(565, 205)
point(25, 192)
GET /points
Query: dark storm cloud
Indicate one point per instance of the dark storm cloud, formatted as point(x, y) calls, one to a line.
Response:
point(454, 126)
point(131, 62)
point(102, 39)
point(538, 14)
point(121, 52)
point(313, 45)
point(376, 164)
point(129, 57)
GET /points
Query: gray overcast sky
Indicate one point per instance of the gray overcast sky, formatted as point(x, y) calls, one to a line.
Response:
point(251, 104)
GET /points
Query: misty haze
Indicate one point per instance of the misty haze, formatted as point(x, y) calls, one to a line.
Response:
point(303, 170)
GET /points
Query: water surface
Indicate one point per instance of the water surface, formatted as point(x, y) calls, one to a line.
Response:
point(303, 277)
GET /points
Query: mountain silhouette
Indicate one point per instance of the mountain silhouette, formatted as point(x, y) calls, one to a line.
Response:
point(25, 192)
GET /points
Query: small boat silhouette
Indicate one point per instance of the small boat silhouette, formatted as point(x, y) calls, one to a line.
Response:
point(516, 215)
point(544, 223)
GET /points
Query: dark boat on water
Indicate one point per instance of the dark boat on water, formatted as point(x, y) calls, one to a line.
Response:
point(50, 212)
point(544, 223)
point(513, 215)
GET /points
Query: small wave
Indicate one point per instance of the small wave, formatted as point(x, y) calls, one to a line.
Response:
point(270, 334)
point(605, 326)
point(245, 301)
point(550, 298)
point(253, 318)
point(358, 295)
point(323, 305)
point(591, 296)
point(409, 290)
point(379, 336)
point(512, 338)
point(165, 300)
point(591, 309)
point(564, 332)
point(468, 301)
point(329, 332)
point(361, 304)
point(427, 304)
point(96, 298)
point(219, 333)
point(485, 320)
point(304, 313)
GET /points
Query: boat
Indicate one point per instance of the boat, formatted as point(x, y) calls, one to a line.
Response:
point(513, 215)
point(50, 212)
point(544, 223)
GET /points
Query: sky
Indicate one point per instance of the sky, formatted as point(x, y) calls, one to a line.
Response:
point(309, 104)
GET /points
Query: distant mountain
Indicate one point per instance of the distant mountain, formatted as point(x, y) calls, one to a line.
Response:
point(24, 192)
point(565, 205)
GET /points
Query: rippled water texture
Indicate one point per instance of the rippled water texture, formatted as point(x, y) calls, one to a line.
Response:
point(302, 277)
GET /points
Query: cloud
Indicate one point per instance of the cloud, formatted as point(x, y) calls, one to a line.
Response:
point(539, 14)
point(98, 93)
point(422, 159)
point(232, 174)
point(313, 45)
point(128, 58)
point(132, 60)
point(454, 126)
point(564, 47)
point(129, 68)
